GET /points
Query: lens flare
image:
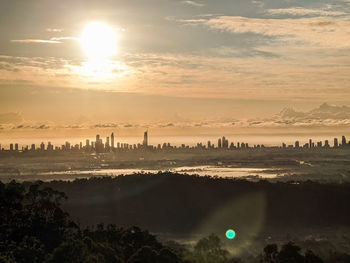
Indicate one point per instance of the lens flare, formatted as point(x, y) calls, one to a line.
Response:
point(230, 234)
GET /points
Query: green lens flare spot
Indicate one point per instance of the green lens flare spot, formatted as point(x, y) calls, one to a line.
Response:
point(230, 234)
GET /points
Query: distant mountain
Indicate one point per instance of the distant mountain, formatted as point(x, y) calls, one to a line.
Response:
point(324, 111)
point(290, 113)
point(324, 115)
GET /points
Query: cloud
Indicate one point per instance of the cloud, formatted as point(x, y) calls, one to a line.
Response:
point(53, 40)
point(166, 125)
point(10, 117)
point(325, 115)
point(35, 41)
point(54, 30)
point(300, 11)
point(64, 38)
point(105, 125)
point(42, 127)
point(320, 31)
point(258, 3)
point(74, 127)
point(192, 3)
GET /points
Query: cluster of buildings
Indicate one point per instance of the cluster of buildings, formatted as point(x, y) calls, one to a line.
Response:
point(320, 144)
point(109, 145)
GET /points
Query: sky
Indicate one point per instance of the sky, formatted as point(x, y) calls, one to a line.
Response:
point(177, 63)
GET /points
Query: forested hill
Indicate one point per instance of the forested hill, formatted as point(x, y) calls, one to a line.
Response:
point(175, 203)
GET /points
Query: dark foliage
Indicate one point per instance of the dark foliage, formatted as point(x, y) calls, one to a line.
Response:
point(35, 229)
point(289, 253)
point(168, 202)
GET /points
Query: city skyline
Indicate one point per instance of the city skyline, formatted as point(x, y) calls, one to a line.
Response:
point(110, 145)
point(194, 131)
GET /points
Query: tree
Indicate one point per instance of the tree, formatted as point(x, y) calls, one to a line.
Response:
point(290, 253)
point(310, 257)
point(208, 249)
point(144, 255)
point(270, 253)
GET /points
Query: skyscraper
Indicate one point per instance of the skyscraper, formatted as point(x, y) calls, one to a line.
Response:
point(343, 140)
point(326, 144)
point(145, 139)
point(297, 144)
point(336, 144)
point(112, 141)
point(107, 146)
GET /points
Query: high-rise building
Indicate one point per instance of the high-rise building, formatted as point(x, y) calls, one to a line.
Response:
point(297, 144)
point(16, 147)
point(99, 147)
point(42, 146)
point(107, 143)
point(326, 144)
point(112, 141)
point(224, 143)
point(310, 143)
point(145, 138)
point(219, 143)
point(343, 140)
point(11, 147)
point(48, 146)
point(336, 144)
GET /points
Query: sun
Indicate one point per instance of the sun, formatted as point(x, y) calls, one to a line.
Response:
point(98, 41)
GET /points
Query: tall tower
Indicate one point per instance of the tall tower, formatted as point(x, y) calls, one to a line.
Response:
point(112, 141)
point(336, 144)
point(145, 139)
point(343, 141)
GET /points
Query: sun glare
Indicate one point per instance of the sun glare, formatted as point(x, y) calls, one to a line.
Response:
point(98, 41)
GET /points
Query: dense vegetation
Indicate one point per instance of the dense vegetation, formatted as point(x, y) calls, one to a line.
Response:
point(175, 203)
point(34, 228)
